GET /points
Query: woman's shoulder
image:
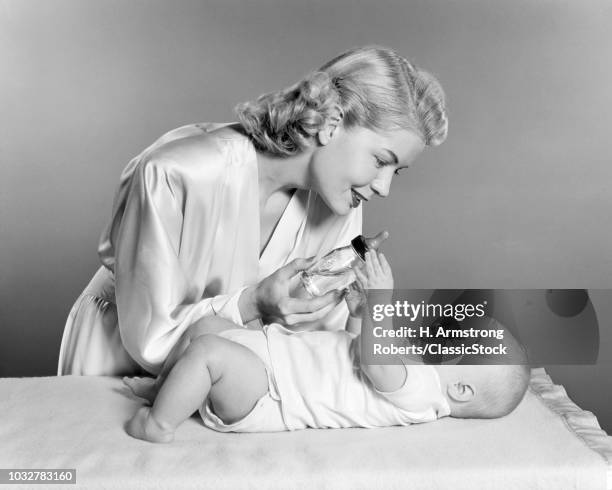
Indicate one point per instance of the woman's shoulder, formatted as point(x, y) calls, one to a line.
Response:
point(205, 146)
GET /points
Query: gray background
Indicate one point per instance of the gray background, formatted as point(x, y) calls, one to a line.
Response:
point(518, 197)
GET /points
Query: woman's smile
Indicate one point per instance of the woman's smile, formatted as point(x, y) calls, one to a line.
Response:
point(356, 198)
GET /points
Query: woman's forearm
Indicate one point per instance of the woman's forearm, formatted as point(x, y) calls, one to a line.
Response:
point(247, 305)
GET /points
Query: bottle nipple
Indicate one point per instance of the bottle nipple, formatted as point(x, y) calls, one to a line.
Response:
point(374, 243)
point(361, 245)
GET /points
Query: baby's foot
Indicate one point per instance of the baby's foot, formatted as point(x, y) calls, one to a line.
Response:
point(143, 426)
point(142, 387)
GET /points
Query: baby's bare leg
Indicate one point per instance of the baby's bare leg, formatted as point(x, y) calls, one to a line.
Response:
point(148, 388)
point(232, 375)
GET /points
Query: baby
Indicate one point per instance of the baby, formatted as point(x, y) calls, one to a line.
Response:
point(274, 379)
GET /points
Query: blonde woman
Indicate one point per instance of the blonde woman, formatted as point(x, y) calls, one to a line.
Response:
point(215, 219)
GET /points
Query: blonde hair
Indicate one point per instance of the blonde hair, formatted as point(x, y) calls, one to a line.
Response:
point(373, 86)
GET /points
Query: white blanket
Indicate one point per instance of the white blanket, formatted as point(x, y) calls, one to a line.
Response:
point(77, 422)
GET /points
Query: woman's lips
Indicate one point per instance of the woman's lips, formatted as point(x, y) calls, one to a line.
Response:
point(357, 198)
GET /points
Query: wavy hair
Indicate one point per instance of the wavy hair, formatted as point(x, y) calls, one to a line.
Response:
point(373, 86)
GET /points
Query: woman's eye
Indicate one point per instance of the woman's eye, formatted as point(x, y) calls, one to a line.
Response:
point(379, 163)
point(397, 171)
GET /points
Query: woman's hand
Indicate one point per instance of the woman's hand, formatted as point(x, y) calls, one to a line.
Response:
point(270, 300)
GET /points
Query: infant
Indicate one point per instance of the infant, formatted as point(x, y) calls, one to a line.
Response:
point(275, 379)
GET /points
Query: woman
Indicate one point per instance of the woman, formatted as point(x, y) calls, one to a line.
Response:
point(213, 219)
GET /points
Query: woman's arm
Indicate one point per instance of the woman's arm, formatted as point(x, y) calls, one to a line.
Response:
point(152, 280)
point(153, 276)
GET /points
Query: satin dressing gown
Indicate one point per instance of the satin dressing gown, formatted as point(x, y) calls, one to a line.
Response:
point(182, 243)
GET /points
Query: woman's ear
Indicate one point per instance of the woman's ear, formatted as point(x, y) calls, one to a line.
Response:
point(331, 128)
point(325, 135)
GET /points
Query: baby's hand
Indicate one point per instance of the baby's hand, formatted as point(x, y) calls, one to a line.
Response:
point(355, 299)
point(375, 275)
point(377, 272)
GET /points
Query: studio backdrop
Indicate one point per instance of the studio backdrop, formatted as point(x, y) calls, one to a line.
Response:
point(518, 196)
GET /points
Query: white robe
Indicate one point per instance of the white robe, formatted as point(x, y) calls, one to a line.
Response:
point(183, 243)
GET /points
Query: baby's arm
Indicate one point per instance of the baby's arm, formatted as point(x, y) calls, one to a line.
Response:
point(355, 300)
point(377, 274)
point(384, 377)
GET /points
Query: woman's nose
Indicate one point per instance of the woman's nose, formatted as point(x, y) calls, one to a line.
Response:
point(381, 185)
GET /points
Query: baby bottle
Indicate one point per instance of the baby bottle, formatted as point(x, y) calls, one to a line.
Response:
point(335, 270)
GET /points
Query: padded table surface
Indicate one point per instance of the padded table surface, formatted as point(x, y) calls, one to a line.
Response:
point(77, 422)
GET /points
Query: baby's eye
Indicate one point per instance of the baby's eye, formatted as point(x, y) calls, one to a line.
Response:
point(380, 162)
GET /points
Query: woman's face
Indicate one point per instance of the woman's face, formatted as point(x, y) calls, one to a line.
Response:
point(352, 165)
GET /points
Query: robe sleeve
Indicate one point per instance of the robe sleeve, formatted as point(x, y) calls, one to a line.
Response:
point(151, 281)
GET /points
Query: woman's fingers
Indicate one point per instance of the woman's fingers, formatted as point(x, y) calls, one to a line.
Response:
point(290, 306)
point(310, 317)
point(294, 283)
point(295, 266)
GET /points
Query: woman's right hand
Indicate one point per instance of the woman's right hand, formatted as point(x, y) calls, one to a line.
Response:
point(271, 301)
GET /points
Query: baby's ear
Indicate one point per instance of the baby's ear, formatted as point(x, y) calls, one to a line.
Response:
point(461, 392)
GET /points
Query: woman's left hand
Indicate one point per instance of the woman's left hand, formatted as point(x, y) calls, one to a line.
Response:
point(271, 301)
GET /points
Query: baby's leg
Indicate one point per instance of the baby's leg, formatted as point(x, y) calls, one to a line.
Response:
point(232, 375)
point(148, 388)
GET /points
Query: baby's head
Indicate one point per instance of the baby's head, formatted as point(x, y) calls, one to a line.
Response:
point(487, 385)
point(483, 391)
